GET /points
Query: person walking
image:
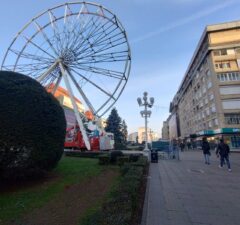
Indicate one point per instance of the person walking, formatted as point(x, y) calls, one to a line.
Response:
point(182, 146)
point(206, 150)
point(223, 150)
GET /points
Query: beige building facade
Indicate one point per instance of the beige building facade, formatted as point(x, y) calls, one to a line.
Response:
point(207, 102)
point(152, 136)
point(165, 130)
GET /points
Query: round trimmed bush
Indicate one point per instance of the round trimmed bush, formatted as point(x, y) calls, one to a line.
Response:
point(32, 128)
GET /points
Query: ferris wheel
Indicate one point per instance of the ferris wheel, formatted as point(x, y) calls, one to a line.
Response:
point(80, 45)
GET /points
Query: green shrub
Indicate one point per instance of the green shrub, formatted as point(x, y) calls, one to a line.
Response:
point(87, 154)
point(134, 157)
point(32, 129)
point(142, 161)
point(124, 199)
point(104, 159)
point(122, 160)
point(114, 155)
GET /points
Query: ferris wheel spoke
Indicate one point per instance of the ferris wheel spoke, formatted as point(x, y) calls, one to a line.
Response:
point(101, 71)
point(56, 30)
point(30, 56)
point(95, 34)
point(98, 37)
point(47, 72)
point(95, 85)
point(40, 29)
point(80, 35)
point(105, 56)
point(106, 36)
point(109, 39)
point(25, 66)
point(103, 30)
point(107, 46)
point(56, 85)
point(90, 106)
point(37, 46)
point(85, 41)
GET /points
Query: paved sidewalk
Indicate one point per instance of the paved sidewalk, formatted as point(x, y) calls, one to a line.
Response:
point(189, 192)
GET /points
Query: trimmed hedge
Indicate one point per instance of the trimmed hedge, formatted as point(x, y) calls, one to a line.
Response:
point(119, 209)
point(32, 129)
point(86, 154)
point(104, 159)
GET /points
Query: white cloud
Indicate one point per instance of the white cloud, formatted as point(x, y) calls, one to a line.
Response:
point(186, 20)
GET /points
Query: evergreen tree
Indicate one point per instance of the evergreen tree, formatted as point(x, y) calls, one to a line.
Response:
point(124, 132)
point(114, 125)
point(137, 140)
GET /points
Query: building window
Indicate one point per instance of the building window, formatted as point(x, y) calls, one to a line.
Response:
point(237, 50)
point(215, 122)
point(205, 101)
point(231, 76)
point(222, 65)
point(220, 52)
point(207, 111)
point(210, 123)
point(213, 108)
point(209, 84)
point(204, 90)
point(208, 73)
point(211, 97)
point(232, 118)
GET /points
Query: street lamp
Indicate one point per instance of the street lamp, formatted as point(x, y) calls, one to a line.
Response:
point(146, 113)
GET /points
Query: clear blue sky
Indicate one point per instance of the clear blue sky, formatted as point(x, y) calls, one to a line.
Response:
point(162, 34)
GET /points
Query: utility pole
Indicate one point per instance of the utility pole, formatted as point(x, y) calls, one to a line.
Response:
point(145, 114)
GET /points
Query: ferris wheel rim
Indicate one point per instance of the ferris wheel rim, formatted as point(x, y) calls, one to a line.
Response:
point(127, 66)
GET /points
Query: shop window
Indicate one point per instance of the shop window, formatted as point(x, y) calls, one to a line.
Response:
point(232, 118)
point(235, 141)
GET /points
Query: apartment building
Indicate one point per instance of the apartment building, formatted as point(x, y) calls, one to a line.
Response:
point(152, 136)
point(207, 102)
point(133, 137)
point(165, 129)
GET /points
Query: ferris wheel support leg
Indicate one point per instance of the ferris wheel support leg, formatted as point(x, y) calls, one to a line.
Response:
point(51, 68)
point(57, 84)
point(75, 108)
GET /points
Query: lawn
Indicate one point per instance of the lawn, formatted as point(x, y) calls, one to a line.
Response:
point(65, 186)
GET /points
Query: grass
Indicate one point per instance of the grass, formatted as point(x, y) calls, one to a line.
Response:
point(69, 171)
point(96, 208)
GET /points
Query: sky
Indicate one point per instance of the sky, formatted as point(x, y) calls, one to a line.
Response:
point(162, 36)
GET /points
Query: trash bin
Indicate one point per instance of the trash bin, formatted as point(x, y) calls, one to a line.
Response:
point(154, 157)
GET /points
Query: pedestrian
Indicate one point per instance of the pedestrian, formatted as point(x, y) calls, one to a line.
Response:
point(206, 150)
point(182, 146)
point(223, 151)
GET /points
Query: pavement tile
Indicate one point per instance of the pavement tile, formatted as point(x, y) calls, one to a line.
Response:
point(188, 192)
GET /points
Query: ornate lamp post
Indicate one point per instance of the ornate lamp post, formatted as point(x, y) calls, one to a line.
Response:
point(146, 113)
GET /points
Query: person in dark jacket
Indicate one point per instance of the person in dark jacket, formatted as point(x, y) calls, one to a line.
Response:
point(223, 150)
point(206, 150)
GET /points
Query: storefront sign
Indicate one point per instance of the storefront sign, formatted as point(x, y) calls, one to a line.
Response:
point(205, 132)
point(227, 130)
